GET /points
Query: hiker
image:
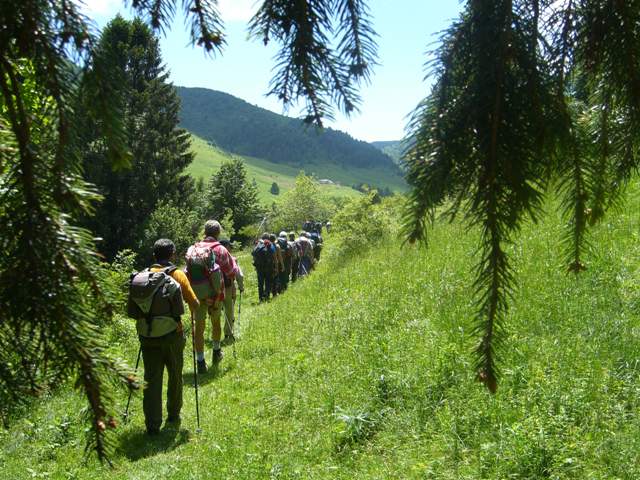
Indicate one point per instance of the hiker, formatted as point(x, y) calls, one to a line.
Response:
point(328, 226)
point(306, 257)
point(156, 301)
point(295, 256)
point(317, 241)
point(230, 296)
point(212, 295)
point(308, 225)
point(312, 252)
point(317, 228)
point(287, 256)
point(264, 262)
point(276, 286)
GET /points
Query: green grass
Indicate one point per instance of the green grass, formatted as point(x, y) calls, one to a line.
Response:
point(208, 160)
point(364, 371)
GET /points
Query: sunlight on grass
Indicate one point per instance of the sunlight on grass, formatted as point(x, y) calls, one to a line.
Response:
point(364, 370)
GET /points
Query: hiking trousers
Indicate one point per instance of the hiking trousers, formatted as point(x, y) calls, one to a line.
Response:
point(157, 354)
point(213, 312)
point(264, 285)
point(305, 266)
point(284, 279)
point(295, 265)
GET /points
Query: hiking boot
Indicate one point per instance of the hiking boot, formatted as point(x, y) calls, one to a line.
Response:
point(173, 421)
point(216, 357)
point(202, 366)
point(153, 431)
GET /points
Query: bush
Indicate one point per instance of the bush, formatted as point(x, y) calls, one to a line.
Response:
point(170, 221)
point(365, 221)
point(303, 202)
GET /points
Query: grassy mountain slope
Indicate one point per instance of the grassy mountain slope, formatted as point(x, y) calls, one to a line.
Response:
point(244, 129)
point(363, 370)
point(208, 159)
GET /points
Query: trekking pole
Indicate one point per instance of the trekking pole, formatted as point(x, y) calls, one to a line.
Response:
point(125, 416)
point(233, 344)
point(195, 369)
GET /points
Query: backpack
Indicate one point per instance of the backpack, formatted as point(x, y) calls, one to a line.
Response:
point(263, 256)
point(202, 270)
point(155, 301)
point(286, 249)
point(315, 236)
point(295, 250)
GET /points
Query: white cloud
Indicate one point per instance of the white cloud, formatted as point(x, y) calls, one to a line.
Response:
point(100, 7)
point(237, 10)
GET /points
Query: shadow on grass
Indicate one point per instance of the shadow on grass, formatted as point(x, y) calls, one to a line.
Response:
point(137, 445)
point(214, 372)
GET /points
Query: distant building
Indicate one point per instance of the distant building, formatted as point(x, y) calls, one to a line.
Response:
point(325, 181)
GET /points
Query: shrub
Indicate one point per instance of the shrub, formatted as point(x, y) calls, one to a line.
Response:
point(365, 221)
point(170, 221)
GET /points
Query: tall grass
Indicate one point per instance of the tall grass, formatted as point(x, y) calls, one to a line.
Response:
point(364, 370)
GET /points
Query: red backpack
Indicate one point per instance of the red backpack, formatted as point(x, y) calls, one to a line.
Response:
point(202, 270)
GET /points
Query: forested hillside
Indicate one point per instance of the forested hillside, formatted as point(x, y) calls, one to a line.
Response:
point(239, 127)
point(392, 148)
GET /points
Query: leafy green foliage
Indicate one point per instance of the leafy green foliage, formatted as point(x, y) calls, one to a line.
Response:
point(303, 202)
point(364, 222)
point(160, 150)
point(231, 194)
point(168, 220)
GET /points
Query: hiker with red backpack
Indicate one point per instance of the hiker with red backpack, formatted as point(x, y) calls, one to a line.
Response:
point(287, 255)
point(156, 302)
point(264, 261)
point(208, 263)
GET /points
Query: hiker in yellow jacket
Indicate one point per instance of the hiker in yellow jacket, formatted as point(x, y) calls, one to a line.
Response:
point(162, 341)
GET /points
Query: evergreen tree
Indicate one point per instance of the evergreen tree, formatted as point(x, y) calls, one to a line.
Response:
point(160, 150)
point(528, 95)
point(275, 189)
point(230, 192)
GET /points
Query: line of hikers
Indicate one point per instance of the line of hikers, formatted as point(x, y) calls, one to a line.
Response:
point(279, 260)
point(208, 286)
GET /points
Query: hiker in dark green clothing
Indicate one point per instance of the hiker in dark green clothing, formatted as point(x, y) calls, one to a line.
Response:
point(156, 301)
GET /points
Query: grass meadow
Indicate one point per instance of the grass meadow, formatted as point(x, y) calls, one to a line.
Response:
point(365, 370)
point(208, 160)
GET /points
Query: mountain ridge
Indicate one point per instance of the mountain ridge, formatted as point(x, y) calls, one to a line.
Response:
point(245, 129)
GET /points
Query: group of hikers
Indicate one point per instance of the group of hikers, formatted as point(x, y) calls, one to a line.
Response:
point(282, 259)
point(209, 285)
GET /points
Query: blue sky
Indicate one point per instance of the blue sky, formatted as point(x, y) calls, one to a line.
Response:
point(407, 30)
